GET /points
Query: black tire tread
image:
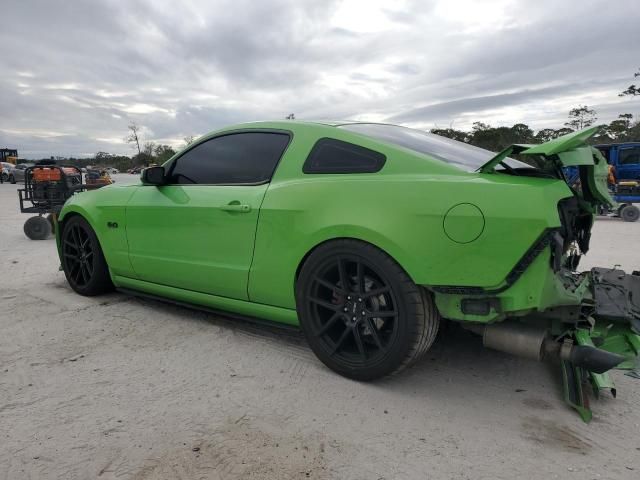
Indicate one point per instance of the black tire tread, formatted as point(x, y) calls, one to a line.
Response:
point(418, 301)
point(101, 282)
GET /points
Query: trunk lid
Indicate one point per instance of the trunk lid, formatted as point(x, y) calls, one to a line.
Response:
point(568, 153)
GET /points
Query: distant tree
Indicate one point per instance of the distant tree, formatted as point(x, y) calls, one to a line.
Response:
point(581, 117)
point(103, 156)
point(633, 134)
point(149, 148)
point(545, 135)
point(563, 131)
point(188, 140)
point(631, 90)
point(459, 135)
point(105, 159)
point(619, 128)
point(522, 133)
point(163, 153)
point(488, 137)
point(479, 126)
point(142, 159)
point(291, 116)
point(134, 136)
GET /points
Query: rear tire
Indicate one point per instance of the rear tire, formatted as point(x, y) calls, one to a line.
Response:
point(378, 325)
point(630, 213)
point(37, 228)
point(83, 262)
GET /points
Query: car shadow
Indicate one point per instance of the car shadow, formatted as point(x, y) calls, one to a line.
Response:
point(457, 365)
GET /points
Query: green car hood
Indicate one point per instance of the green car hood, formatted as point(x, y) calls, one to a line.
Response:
point(569, 150)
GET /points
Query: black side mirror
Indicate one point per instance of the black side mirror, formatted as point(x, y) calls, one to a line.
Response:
point(153, 176)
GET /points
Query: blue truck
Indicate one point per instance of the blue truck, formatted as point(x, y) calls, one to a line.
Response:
point(625, 159)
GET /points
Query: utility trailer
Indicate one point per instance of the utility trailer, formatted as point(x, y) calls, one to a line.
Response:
point(46, 189)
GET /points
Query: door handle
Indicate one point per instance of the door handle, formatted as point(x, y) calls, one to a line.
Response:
point(236, 206)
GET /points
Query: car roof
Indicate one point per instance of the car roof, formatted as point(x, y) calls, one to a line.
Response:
point(286, 124)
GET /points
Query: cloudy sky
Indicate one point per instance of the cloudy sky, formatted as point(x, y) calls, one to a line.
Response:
point(74, 73)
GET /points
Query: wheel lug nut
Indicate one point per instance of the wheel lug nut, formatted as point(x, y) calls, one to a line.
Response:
point(359, 299)
point(345, 309)
point(353, 318)
point(348, 297)
point(363, 313)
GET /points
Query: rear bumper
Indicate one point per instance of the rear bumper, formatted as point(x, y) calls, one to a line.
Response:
point(590, 322)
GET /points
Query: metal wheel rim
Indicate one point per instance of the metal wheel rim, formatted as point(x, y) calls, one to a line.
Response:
point(78, 255)
point(357, 324)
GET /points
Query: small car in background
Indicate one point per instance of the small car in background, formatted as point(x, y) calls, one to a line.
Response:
point(17, 174)
point(5, 170)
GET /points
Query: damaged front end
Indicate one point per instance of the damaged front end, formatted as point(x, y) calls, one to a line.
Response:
point(588, 321)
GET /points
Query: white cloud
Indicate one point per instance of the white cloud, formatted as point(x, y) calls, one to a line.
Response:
point(84, 69)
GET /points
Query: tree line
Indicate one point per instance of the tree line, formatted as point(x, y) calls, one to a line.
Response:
point(622, 129)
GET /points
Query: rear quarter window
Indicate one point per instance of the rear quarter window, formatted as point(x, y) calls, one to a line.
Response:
point(335, 156)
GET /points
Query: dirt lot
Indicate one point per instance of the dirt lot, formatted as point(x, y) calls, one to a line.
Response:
point(117, 387)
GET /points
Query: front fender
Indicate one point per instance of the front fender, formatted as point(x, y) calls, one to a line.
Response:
point(105, 210)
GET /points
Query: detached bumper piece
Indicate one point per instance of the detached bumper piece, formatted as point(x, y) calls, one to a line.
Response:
point(613, 342)
point(617, 297)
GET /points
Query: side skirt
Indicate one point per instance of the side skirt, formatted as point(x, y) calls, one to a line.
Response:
point(227, 307)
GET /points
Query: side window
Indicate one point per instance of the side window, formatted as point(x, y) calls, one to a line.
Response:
point(629, 156)
point(236, 158)
point(335, 156)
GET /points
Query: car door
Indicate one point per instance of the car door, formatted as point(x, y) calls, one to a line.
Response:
point(628, 167)
point(197, 232)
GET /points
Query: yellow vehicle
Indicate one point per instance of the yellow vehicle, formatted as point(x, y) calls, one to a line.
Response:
point(8, 155)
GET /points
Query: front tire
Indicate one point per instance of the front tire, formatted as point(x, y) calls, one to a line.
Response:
point(361, 313)
point(12, 179)
point(83, 262)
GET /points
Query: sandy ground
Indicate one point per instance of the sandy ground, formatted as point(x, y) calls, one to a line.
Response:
point(117, 387)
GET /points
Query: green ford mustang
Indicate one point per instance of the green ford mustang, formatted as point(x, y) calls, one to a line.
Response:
point(366, 235)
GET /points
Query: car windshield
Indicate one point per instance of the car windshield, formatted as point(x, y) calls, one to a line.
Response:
point(460, 154)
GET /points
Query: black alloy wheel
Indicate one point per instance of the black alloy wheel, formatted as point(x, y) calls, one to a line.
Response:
point(361, 313)
point(354, 310)
point(82, 259)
